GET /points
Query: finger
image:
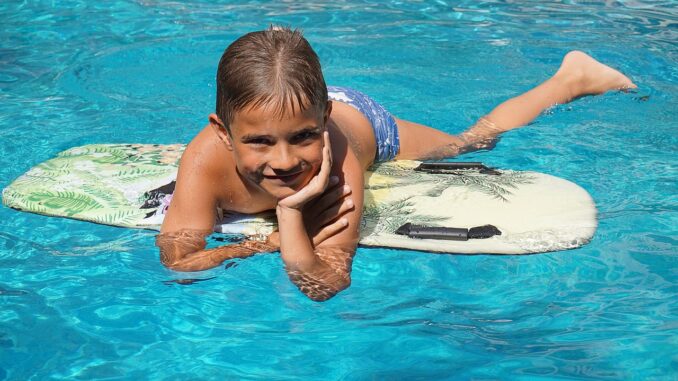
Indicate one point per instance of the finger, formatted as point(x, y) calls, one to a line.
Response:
point(274, 239)
point(328, 146)
point(329, 231)
point(305, 195)
point(334, 212)
point(330, 197)
point(319, 182)
point(332, 184)
point(326, 166)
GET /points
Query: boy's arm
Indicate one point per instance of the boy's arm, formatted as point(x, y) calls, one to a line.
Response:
point(190, 219)
point(321, 271)
point(192, 215)
point(185, 250)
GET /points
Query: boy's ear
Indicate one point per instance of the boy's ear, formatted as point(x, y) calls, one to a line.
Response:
point(221, 131)
point(328, 112)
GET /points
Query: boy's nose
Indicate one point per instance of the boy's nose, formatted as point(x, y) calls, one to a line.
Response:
point(282, 160)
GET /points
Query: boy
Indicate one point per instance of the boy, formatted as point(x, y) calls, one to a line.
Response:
point(281, 139)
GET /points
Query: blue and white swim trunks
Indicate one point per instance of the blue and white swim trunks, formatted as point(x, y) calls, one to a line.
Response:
point(383, 123)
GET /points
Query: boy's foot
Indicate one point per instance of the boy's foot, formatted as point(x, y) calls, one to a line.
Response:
point(589, 77)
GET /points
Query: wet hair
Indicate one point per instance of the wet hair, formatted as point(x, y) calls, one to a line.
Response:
point(274, 68)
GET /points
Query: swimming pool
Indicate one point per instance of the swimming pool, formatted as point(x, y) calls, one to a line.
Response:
point(85, 301)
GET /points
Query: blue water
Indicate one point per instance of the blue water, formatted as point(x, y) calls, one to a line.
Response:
point(83, 301)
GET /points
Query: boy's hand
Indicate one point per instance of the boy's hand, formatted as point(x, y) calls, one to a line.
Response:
point(320, 207)
point(322, 216)
point(316, 186)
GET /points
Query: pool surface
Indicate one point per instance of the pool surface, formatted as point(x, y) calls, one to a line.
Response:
point(85, 301)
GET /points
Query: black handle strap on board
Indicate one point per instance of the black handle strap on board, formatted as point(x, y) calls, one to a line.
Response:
point(450, 167)
point(454, 234)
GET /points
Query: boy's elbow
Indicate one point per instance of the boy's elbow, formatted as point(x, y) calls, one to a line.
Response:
point(170, 265)
point(172, 259)
point(321, 293)
point(174, 265)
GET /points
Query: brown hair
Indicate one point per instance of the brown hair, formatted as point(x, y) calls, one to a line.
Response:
point(273, 68)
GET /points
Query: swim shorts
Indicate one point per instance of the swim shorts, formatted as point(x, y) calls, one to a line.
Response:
point(383, 123)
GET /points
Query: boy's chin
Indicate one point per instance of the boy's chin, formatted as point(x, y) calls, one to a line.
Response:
point(283, 195)
point(282, 192)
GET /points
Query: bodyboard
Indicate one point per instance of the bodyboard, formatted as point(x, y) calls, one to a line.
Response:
point(130, 185)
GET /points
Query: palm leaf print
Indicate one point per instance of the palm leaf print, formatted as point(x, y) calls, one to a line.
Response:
point(496, 186)
point(124, 217)
point(135, 174)
point(69, 202)
point(388, 217)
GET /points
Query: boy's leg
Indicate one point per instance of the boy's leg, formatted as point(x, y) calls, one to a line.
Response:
point(577, 76)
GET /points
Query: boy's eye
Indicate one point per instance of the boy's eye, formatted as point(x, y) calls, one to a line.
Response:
point(258, 141)
point(305, 135)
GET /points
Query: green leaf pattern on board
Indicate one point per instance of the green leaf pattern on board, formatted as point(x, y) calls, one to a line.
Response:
point(103, 183)
point(69, 202)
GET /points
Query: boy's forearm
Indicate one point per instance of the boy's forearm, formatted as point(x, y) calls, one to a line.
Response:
point(296, 248)
point(312, 272)
point(172, 256)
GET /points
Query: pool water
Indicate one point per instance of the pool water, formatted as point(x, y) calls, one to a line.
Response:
point(84, 301)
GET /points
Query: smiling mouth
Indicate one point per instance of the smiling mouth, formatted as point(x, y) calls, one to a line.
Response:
point(284, 178)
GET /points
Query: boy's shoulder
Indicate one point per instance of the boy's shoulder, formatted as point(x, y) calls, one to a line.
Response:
point(206, 160)
point(205, 149)
point(208, 168)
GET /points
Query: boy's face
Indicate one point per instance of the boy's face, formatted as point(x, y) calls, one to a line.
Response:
point(278, 155)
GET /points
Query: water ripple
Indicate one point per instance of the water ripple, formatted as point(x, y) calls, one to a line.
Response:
point(77, 72)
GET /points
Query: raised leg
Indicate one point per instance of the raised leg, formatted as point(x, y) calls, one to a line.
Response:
point(578, 75)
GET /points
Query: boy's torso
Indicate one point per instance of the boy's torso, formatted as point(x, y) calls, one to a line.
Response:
point(348, 129)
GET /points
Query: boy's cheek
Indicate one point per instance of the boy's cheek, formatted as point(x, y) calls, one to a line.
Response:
point(248, 158)
point(250, 168)
point(313, 166)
